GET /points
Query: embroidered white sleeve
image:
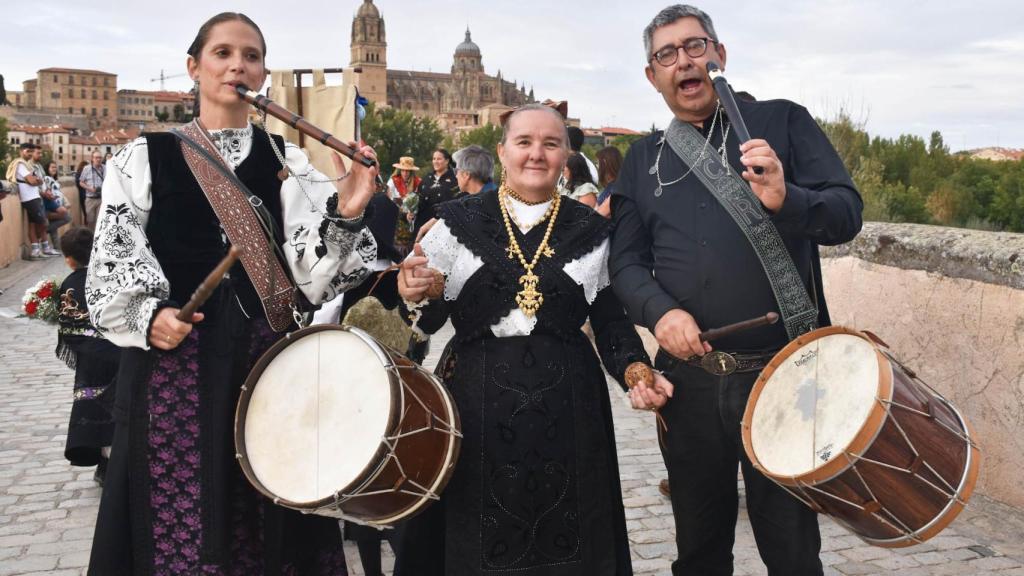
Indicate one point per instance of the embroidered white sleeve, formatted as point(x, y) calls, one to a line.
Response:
point(325, 259)
point(125, 282)
point(591, 270)
point(450, 257)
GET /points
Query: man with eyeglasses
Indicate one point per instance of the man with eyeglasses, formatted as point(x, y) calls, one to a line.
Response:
point(682, 263)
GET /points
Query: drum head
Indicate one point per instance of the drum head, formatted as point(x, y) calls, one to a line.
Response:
point(317, 415)
point(814, 404)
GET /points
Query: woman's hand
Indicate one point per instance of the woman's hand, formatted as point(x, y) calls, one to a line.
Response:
point(414, 277)
point(651, 396)
point(167, 331)
point(355, 191)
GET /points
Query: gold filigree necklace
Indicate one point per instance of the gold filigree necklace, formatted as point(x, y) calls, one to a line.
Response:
point(529, 299)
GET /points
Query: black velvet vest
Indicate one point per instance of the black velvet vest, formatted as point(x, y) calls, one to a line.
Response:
point(183, 229)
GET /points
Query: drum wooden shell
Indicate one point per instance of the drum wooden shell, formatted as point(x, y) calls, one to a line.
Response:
point(414, 459)
point(907, 472)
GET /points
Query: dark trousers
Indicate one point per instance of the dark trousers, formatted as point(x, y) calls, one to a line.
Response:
point(702, 448)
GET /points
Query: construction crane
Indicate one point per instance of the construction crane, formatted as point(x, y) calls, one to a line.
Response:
point(165, 77)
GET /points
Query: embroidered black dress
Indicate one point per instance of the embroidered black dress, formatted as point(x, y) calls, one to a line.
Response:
point(94, 360)
point(175, 501)
point(536, 488)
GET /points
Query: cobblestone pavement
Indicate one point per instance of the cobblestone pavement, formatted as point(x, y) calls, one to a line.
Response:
point(48, 508)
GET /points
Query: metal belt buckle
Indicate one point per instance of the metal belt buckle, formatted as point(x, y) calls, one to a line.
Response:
point(718, 363)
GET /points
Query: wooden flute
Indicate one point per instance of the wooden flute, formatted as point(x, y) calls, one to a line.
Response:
point(301, 124)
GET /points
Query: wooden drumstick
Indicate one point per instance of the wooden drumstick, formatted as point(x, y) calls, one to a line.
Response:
point(208, 285)
point(730, 329)
point(639, 372)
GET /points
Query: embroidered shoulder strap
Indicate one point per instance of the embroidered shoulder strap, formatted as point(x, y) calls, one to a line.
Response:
point(799, 314)
point(227, 195)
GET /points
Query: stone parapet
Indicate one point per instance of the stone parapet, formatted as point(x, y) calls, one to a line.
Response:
point(991, 257)
point(950, 303)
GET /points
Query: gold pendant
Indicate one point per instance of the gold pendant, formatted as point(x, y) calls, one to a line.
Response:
point(529, 298)
point(510, 253)
point(549, 252)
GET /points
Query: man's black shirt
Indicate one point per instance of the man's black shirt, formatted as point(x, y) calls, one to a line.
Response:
point(683, 250)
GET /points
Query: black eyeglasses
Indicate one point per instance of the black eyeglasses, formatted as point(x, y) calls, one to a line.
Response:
point(694, 48)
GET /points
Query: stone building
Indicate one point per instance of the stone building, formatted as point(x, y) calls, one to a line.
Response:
point(134, 108)
point(461, 99)
point(91, 93)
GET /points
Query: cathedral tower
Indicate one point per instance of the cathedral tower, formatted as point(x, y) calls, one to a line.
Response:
point(369, 52)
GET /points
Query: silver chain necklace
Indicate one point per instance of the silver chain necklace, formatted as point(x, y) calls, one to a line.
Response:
point(656, 168)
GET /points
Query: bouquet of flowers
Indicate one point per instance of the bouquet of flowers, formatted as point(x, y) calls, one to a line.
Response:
point(42, 301)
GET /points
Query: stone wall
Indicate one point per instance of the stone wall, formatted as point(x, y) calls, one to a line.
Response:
point(950, 303)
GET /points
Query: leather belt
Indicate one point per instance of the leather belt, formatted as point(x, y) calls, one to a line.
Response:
point(721, 363)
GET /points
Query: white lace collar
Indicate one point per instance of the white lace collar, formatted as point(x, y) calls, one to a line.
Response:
point(234, 144)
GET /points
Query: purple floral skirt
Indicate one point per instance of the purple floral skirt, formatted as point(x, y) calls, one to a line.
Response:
point(176, 481)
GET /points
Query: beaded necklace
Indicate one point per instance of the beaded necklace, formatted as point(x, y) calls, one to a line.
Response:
point(529, 299)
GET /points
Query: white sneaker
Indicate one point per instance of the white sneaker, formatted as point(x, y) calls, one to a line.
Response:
point(35, 254)
point(48, 251)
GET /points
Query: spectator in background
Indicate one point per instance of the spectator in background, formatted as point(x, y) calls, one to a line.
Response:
point(578, 183)
point(81, 191)
point(576, 144)
point(93, 358)
point(29, 183)
point(50, 202)
point(92, 180)
point(439, 186)
point(53, 201)
point(475, 170)
point(402, 188)
point(609, 162)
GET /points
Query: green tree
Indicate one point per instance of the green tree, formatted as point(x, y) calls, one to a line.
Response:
point(162, 116)
point(624, 141)
point(848, 138)
point(6, 150)
point(395, 133)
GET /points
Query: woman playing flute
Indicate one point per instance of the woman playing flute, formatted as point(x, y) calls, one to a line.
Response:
point(175, 501)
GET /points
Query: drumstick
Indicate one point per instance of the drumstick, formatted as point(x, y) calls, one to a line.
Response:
point(208, 285)
point(730, 329)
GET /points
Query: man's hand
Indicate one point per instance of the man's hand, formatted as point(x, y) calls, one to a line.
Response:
point(678, 334)
point(167, 331)
point(653, 396)
point(33, 180)
point(770, 185)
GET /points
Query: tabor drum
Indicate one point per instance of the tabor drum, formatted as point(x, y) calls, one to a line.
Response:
point(845, 427)
point(331, 422)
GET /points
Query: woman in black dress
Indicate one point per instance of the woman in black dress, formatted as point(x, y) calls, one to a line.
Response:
point(175, 501)
point(536, 488)
point(439, 186)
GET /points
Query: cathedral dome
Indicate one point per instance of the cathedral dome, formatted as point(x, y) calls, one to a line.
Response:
point(368, 9)
point(468, 47)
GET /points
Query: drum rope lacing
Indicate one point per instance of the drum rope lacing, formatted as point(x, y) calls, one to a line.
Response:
point(391, 441)
point(890, 519)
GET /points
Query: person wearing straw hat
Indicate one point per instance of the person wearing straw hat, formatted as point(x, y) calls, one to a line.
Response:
point(402, 188)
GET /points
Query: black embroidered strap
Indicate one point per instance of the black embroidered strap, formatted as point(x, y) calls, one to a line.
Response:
point(799, 314)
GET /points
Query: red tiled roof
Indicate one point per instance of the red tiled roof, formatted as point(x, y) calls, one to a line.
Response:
point(619, 131)
point(32, 129)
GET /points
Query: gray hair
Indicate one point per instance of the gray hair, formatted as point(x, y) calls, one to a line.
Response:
point(531, 108)
point(671, 14)
point(476, 161)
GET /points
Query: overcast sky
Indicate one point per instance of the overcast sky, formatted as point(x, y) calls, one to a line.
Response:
point(901, 66)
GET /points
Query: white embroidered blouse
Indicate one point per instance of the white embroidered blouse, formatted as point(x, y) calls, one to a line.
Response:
point(125, 282)
point(458, 263)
